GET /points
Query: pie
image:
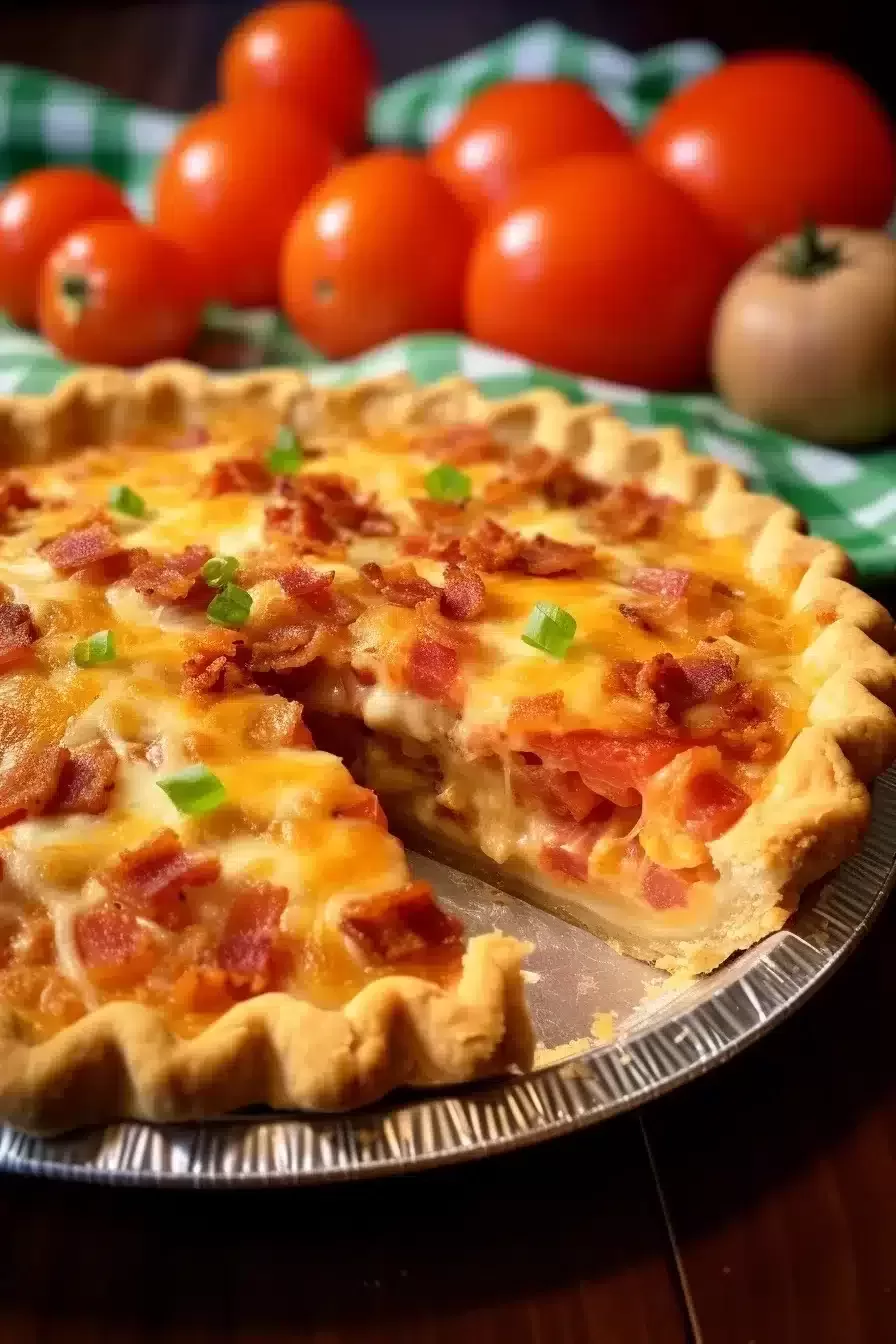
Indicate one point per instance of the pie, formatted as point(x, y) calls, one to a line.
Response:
point(243, 620)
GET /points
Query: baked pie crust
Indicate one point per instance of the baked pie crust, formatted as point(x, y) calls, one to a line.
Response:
point(756, 824)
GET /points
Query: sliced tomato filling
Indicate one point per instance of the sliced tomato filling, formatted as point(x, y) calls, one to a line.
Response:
point(614, 767)
point(568, 851)
point(710, 804)
point(663, 888)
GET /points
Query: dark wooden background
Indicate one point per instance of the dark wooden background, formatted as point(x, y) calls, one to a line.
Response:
point(756, 1206)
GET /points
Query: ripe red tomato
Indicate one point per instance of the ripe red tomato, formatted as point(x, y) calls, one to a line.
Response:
point(766, 142)
point(510, 130)
point(117, 292)
point(601, 267)
point(36, 211)
point(379, 249)
point(312, 50)
point(230, 184)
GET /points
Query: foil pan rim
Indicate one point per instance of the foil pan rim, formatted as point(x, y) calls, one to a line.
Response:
point(498, 1116)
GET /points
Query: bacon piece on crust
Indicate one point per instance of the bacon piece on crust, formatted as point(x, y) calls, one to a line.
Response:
point(217, 661)
point(17, 633)
point(81, 548)
point(463, 597)
point(400, 584)
point(236, 475)
point(543, 557)
point(671, 685)
point(27, 787)
point(150, 879)
point(671, 585)
point(173, 579)
point(627, 512)
point(86, 780)
point(403, 925)
point(432, 669)
point(247, 944)
point(289, 648)
point(460, 445)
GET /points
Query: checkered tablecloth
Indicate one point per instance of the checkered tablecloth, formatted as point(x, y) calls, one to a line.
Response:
point(850, 498)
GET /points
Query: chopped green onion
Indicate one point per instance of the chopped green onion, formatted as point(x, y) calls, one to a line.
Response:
point(449, 484)
point(125, 500)
point(194, 790)
point(98, 648)
point(550, 629)
point(285, 457)
point(230, 607)
point(219, 570)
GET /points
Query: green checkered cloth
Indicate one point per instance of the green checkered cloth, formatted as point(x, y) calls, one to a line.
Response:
point(45, 119)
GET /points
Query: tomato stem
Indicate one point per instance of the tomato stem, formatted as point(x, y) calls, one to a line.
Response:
point(75, 295)
point(807, 257)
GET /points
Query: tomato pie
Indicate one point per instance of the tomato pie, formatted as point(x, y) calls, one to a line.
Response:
point(245, 620)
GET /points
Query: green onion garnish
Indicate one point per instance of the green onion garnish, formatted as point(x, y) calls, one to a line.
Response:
point(194, 790)
point(550, 629)
point(98, 648)
point(219, 570)
point(285, 457)
point(125, 500)
point(449, 484)
point(230, 607)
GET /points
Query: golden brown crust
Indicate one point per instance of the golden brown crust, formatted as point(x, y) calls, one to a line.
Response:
point(122, 1059)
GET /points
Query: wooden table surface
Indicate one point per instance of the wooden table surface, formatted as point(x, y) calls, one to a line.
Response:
point(756, 1206)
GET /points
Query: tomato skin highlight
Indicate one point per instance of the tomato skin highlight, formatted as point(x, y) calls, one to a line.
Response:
point(37, 210)
point(600, 266)
point(510, 130)
point(378, 250)
point(768, 141)
point(229, 186)
point(309, 50)
point(141, 298)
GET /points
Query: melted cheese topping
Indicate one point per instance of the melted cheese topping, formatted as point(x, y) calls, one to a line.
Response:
point(279, 823)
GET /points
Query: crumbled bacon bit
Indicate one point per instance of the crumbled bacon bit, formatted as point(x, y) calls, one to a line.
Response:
point(460, 445)
point(324, 508)
point(82, 547)
point(17, 633)
point(314, 589)
point(463, 597)
point(432, 669)
point(15, 497)
point(279, 723)
point(402, 925)
point(438, 513)
point(174, 579)
point(400, 584)
point(491, 547)
point(236, 475)
point(27, 787)
point(635, 617)
point(627, 512)
point(550, 474)
point(289, 648)
point(671, 585)
point(86, 780)
point(217, 662)
point(150, 879)
point(248, 942)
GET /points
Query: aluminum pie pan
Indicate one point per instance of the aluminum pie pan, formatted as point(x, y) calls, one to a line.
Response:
point(663, 1038)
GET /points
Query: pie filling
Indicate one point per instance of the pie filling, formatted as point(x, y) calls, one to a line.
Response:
point(202, 641)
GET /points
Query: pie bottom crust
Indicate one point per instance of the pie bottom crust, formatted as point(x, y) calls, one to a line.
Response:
point(122, 1060)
